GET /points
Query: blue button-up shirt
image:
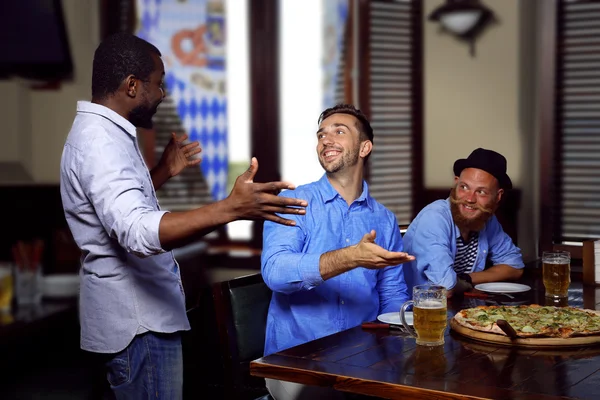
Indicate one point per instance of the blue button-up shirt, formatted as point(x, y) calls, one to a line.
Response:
point(129, 284)
point(303, 306)
point(431, 238)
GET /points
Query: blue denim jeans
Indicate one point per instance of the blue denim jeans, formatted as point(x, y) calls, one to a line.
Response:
point(151, 367)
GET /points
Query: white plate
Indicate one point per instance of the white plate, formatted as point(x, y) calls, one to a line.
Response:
point(502, 287)
point(394, 318)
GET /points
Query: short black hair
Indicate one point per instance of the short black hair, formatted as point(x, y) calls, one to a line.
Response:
point(117, 57)
point(363, 126)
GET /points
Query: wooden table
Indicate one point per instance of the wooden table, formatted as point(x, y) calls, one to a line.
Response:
point(389, 364)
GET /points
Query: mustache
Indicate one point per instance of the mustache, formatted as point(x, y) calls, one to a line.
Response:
point(328, 148)
point(453, 200)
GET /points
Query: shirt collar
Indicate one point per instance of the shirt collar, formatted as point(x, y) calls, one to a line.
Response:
point(93, 108)
point(329, 193)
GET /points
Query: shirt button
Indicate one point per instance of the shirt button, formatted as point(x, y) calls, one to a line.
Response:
point(342, 302)
point(347, 240)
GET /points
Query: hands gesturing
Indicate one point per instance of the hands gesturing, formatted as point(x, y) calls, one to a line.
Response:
point(365, 254)
point(373, 256)
point(254, 201)
point(177, 156)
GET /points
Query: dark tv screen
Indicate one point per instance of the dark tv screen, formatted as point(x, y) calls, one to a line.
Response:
point(33, 40)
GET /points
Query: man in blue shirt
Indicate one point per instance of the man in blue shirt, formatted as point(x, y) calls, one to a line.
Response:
point(339, 265)
point(131, 302)
point(453, 239)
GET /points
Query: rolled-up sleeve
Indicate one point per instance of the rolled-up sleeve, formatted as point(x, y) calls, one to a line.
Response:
point(285, 268)
point(431, 247)
point(502, 248)
point(110, 182)
point(391, 285)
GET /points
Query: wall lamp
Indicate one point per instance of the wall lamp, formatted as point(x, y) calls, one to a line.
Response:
point(465, 19)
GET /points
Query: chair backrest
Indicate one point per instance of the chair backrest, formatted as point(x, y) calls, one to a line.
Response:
point(403, 228)
point(242, 305)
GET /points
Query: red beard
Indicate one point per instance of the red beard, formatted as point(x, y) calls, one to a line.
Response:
point(470, 224)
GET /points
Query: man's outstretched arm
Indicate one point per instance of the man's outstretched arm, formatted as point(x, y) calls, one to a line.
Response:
point(365, 254)
point(496, 273)
point(247, 201)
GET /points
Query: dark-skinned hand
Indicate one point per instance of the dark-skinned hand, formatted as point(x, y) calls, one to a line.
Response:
point(255, 201)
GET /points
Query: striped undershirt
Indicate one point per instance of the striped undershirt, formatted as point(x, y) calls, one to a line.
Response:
point(466, 253)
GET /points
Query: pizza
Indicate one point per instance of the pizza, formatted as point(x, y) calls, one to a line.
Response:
point(532, 320)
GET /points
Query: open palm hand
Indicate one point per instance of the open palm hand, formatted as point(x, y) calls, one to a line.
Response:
point(178, 155)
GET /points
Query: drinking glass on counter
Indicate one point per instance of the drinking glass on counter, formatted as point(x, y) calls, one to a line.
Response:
point(28, 285)
point(556, 273)
point(28, 271)
point(429, 314)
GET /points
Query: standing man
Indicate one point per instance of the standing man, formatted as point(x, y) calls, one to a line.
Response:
point(132, 304)
point(338, 266)
point(453, 239)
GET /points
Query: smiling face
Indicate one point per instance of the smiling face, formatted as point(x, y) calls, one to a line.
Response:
point(474, 198)
point(151, 94)
point(339, 143)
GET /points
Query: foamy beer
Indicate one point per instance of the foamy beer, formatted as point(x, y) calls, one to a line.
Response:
point(557, 273)
point(429, 314)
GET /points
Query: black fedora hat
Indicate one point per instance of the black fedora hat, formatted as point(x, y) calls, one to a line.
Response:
point(488, 160)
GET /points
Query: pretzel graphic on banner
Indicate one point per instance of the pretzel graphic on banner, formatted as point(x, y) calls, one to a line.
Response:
point(197, 55)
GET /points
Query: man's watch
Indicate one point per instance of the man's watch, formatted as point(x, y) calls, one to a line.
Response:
point(465, 277)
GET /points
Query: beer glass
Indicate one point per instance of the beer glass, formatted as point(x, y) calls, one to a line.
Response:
point(556, 273)
point(429, 314)
point(556, 302)
point(6, 287)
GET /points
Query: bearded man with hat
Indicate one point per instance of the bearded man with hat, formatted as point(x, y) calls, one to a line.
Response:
point(454, 239)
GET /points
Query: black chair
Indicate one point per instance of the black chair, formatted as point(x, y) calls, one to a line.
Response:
point(241, 306)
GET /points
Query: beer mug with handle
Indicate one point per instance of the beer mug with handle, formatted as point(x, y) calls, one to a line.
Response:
point(429, 314)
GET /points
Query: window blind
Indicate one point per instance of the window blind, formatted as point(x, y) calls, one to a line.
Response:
point(393, 100)
point(578, 121)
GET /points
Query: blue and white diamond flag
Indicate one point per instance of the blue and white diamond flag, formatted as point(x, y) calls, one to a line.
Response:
point(190, 35)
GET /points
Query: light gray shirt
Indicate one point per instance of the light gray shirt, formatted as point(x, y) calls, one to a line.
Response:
point(129, 284)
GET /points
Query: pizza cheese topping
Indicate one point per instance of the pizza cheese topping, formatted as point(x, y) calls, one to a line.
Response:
point(532, 320)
